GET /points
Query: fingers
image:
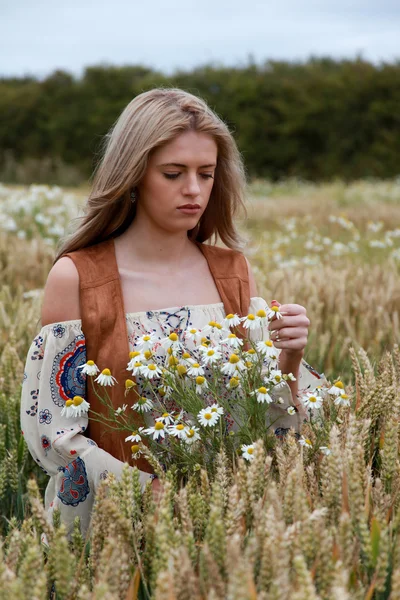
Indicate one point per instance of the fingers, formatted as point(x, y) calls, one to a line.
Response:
point(295, 321)
point(291, 344)
point(287, 333)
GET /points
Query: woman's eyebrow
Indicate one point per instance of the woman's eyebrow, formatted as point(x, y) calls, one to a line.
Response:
point(181, 165)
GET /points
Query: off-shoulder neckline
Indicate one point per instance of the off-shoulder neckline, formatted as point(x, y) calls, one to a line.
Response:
point(142, 313)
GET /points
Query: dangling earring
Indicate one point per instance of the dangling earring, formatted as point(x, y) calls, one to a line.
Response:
point(133, 196)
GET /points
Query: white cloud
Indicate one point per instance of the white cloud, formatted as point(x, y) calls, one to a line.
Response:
point(38, 37)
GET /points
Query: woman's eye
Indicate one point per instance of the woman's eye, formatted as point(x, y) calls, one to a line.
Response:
point(175, 175)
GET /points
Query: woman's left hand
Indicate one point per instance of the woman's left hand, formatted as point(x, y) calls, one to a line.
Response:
point(290, 332)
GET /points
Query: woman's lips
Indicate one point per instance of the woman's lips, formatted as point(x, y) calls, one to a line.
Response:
point(189, 209)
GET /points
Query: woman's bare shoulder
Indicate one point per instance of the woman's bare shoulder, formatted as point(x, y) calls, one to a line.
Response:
point(61, 293)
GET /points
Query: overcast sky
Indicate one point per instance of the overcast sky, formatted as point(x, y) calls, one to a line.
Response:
point(39, 36)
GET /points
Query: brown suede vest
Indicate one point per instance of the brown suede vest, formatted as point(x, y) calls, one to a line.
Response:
point(104, 326)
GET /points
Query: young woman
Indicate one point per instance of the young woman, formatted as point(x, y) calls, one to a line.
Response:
point(171, 178)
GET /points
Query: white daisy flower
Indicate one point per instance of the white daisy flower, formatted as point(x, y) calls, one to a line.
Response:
point(136, 367)
point(201, 384)
point(146, 342)
point(248, 451)
point(233, 341)
point(311, 400)
point(105, 378)
point(231, 320)
point(207, 417)
point(267, 348)
point(210, 355)
point(150, 371)
point(166, 418)
point(216, 408)
point(250, 322)
point(121, 409)
point(289, 376)
point(89, 368)
point(164, 391)
point(342, 400)
point(291, 410)
point(325, 450)
point(213, 330)
point(251, 355)
point(305, 442)
point(336, 389)
point(195, 369)
point(143, 405)
point(173, 342)
point(191, 434)
point(262, 395)
point(67, 410)
point(158, 431)
point(177, 430)
point(274, 311)
point(193, 334)
point(234, 383)
point(235, 364)
point(79, 406)
point(276, 378)
point(262, 317)
point(136, 451)
point(135, 436)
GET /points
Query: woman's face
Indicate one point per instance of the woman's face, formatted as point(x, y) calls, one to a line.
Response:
point(178, 174)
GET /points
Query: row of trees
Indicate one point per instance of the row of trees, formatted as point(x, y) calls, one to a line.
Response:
point(317, 120)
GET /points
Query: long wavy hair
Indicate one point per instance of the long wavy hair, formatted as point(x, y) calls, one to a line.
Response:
point(149, 121)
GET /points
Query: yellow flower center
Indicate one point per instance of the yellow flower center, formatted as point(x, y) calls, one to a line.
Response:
point(233, 359)
point(165, 414)
point(148, 354)
point(312, 399)
point(159, 425)
point(77, 400)
point(146, 338)
point(135, 448)
point(193, 331)
point(200, 380)
point(231, 335)
point(339, 384)
point(129, 384)
point(90, 363)
point(69, 403)
point(208, 416)
point(268, 343)
point(344, 396)
point(250, 450)
point(161, 391)
point(214, 410)
point(262, 390)
point(180, 427)
point(230, 316)
point(186, 355)
point(275, 308)
point(249, 364)
point(173, 337)
point(277, 378)
point(261, 313)
point(133, 354)
point(218, 325)
point(233, 382)
point(137, 364)
point(251, 351)
point(106, 372)
point(190, 433)
point(212, 324)
point(210, 352)
point(142, 400)
point(250, 317)
point(173, 361)
point(181, 370)
point(308, 442)
point(195, 365)
point(152, 367)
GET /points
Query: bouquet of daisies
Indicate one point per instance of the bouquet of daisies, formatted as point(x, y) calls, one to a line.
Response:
point(200, 390)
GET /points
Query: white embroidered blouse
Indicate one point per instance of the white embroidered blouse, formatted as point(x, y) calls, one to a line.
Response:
point(74, 462)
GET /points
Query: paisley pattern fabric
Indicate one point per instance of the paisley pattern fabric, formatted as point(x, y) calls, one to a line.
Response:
point(74, 463)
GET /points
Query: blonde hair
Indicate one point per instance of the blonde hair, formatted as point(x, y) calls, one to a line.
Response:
point(149, 121)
